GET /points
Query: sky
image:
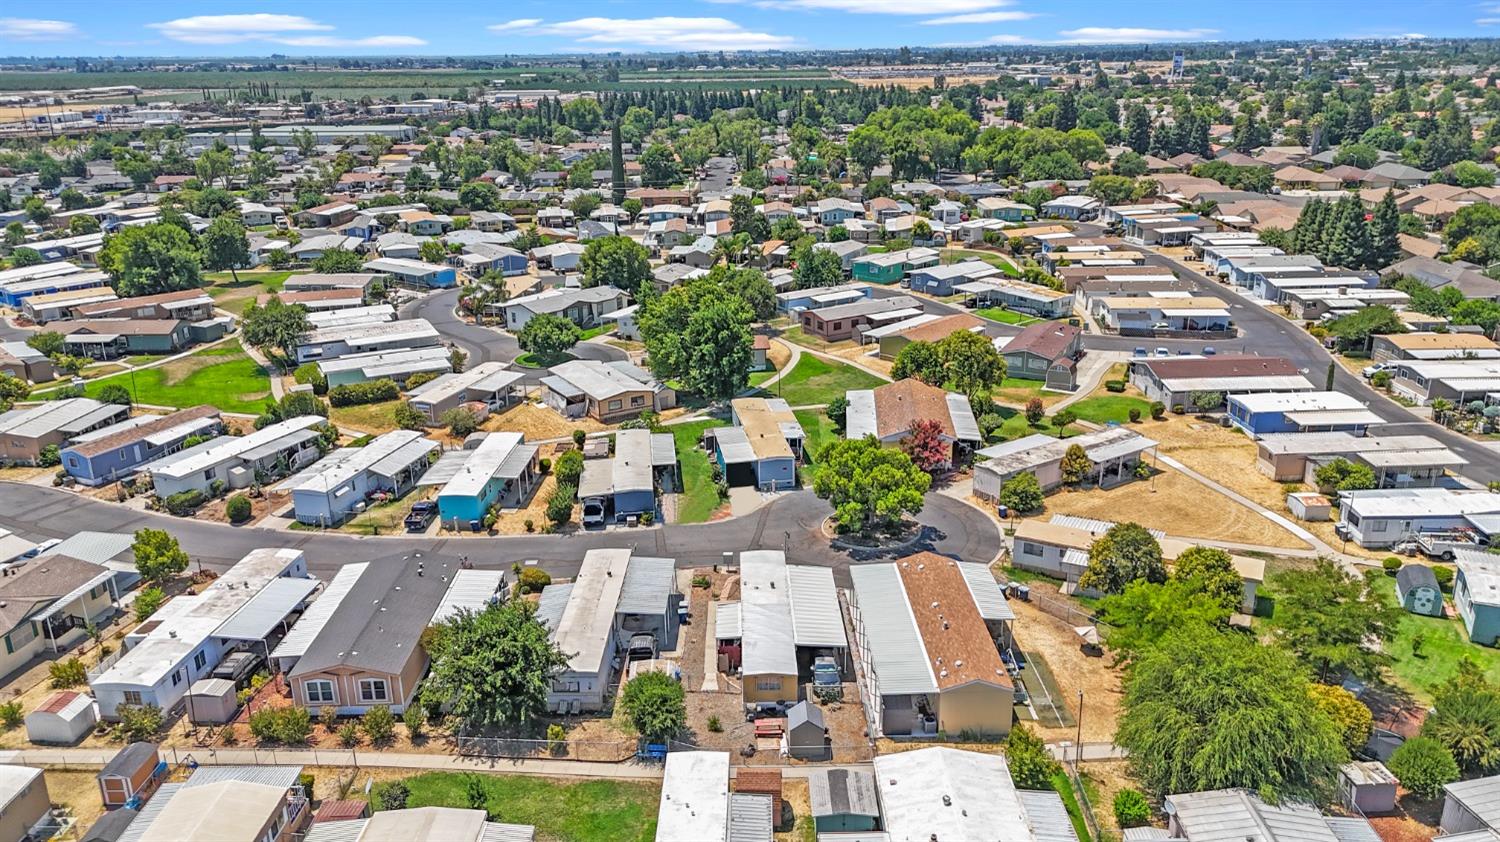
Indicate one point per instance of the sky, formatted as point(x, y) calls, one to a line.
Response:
point(456, 27)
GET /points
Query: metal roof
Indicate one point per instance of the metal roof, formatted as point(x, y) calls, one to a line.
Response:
point(554, 600)
point(734, 445)
point(842, 792)
point(988, 597)
point(296, 641)
point(271, 448)
point(1234, 815)
point(649, 584)
point(471, 589)
point(481, 464)
point(1480, 796)
point(386, 456)
point(859, 420)
point(769, 642)
point(1047, 816)
point(962, 414)
point(256, 619)
point(694, 804)
point(150, 811)
point(341, 831)
point(749, 817)
point(816, 619)
point(663, 450)
point(727, 625)
point(583, 632)
point(897, 656)
point(217, 451)
point(71, 414)
point(278, 776)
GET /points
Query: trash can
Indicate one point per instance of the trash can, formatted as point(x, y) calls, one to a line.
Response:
point(1003, 510)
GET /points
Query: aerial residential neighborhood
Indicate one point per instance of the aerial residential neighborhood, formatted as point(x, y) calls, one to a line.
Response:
point(796, 421)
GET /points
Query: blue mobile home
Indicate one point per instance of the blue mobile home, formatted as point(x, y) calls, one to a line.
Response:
point(119, 450)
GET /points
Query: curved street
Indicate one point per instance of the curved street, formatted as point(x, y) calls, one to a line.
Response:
point(792, 522)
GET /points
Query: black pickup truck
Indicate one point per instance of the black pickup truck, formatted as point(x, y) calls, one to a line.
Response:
point(421, 515)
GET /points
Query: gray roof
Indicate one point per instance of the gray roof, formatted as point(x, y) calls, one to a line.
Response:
point(1480, 796)
point(257, 618)
point(1353, 829)
point(377, 625)
point(842, 792)
point(1047, 816)
point(279, 776)
point(1413, 576)
point(549, 609)
point(71, 415)
point(749, 817)
point(150, 811)
point(130, 758)
point(649, 583)
point(1234, 815)
point(295, 643)
point(805, 713)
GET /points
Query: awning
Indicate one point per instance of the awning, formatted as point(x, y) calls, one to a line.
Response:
point(447, 467)
point(727, 624)
point(72, 596)
point(257, 618)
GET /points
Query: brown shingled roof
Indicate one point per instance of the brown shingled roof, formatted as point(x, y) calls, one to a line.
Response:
point(105, 444)
point(939, 329)
point(1226, 366)
point(958, 643)
point(1049, 340)
point(900, 405)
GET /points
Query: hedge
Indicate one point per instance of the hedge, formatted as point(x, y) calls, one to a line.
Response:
point(184, 503)
point(372, 391)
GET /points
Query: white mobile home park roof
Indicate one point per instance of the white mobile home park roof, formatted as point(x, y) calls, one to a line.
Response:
point(385, 456)
point(694, 797)
point(769, 646)
point(951, 794)
point(216, 451)
point(584, 629)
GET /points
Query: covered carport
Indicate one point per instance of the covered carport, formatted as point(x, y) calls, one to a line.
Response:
point(266, 613)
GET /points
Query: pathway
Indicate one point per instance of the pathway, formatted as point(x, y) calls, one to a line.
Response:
point(1095, 366)
point(791, 363)
point(277, 390)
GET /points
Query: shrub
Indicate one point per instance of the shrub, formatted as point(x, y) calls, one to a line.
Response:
point(1035, 411)
point(309, 374)
point(379, 724)
point(421, 378)
point(715, 725)
point(1031, 764)
point(216, 489)
point(371, 391)
point(560, 504)
point(307, 780)
point(139, 722)
point(1158, 410)
point(1444, 576)
point(1381, 380)
point(415, 719)
point(1131, 808)
point(654, 701)
point(569, 468)
point(238, 508)
point(557, 738)
point(349, 735)
point(460, 421)
point(544, 465)
point(50, 457)
point(328, 716)
point(533, 579)
point(184, 503)
point(69, 673)
point(291, 725)
point(146, 603)
point(578, 438)
point(1423, 765)
point(408, 417)
point(1391, 564)
point(1179, 409)
point(390, 795)
point(11, 715)
point(1114, 385)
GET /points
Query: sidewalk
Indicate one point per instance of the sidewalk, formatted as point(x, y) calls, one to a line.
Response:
point(1095, 366)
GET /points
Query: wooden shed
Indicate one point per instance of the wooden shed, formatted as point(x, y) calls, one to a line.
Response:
point(131, 775)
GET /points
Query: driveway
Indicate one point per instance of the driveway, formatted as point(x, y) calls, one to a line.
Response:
point(792, 522)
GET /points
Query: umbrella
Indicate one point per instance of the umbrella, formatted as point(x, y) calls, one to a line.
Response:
point(1089, 634)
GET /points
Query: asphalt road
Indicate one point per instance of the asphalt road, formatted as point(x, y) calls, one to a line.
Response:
point(793, 522)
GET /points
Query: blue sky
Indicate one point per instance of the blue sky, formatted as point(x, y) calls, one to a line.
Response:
point(453, 27)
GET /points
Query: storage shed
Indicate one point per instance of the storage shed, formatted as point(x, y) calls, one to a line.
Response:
point(131, 775)
point(807, 732)
point(843, 800)
point(65, 718)
point(212, 701)
point(1418, 591)
point(1367, 786)
point(1309, 505)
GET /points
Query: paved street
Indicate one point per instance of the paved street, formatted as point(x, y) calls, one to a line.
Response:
point(792, 522)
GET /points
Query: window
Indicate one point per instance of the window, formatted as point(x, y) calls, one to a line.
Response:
point(133, 697)
point(22, 635)
point(615, 404)
point(373, 690)
point(319, 692)
point(772, 682)
point(1028, 548)
point(199, 660)
point(176, 677)
point(209, 474)
point(638, 400)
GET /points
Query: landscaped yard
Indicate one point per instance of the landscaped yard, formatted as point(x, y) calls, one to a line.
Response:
point(1443, 643)
point(366, 418)
point(596, 331)
point(1103, 409)
point(700, 495)
point(236, 296)
point(222, 376)
point(817, 381)
point(995, 260)
point(1010, 317)
point(562, 811)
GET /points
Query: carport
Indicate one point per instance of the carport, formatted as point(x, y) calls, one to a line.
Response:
point(267, 611)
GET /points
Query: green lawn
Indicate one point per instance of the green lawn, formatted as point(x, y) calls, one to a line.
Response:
point(995, 260)
point(1443, 644)
point(700, 496)
point(575, 811)
point(1106, 408)
point(1010, 317)
point(530, 360)
point(818, 381)
point(236, 296)
point(597, 331)
point(1064, 786)
point(759, 377)
point(222, 376)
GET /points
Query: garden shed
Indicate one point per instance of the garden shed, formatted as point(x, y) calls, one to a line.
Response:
point(843, 800)
point(212, 701)
point(1418, 591)
point(63, 719)
point(806, 732)
point(131, 775)
point(1367, 786)
point(1309, 505)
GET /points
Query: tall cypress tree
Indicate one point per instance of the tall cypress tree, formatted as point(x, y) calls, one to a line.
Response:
point(616, 166)
point(1385, 225)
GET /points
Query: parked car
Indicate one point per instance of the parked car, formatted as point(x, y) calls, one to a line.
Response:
point(1163, 352)
point(1141, 352)
point(422, 514)
point(593, 513)
point(1372, 370)
point(239, 667)
point(1208, 351)
point(642, 647)
point(41, 548)
point(825, 672)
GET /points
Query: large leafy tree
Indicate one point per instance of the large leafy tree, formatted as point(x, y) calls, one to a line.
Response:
point(718, 344)
point(335, 261)
point(1209, 709)
point(750, 286)
point(149, 259)
point(817, 268)
point(654, 701)
point(158, 557)
point(1424, 766)
point(920, 360)
point(1353, 331)
point(1353, 719)
point(225, 245)
point(1141, 615)
point(1124, 554)
point(869, 486)
point(1330, 619)
point(619, 262)
point(1211, 570)
point(12, 389)
point(925, 445)
point(970, 361)
point(548, 337)
point(274, 326)
point(1465, 719)
point(492, 668)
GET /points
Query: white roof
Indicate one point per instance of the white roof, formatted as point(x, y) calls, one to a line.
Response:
point(892, 639)
point(1251, 383)
point(385, 456)
point(403, 361)
point(217, 451)
point(727, 621)
point(409, 330)
point(484, 377)
point(471, 589)
point(482, 463)
point(14, 781)
point(816, 618)
point(1296, 401)
point(53, 416)
point(256, 619)
point(598, 380)
point(585, 629)
point(1420, 502)
point(769, 641)
point(694, 797)
point(951, 795)
point(373, 314)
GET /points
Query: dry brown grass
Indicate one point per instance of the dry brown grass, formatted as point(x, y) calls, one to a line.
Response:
point(22, 473)
point(1107, 778)
point(779, 354)
point(513, 521)
point(1040, 633)
point(795, 793)
point(1177, 505)
point(539, 423)
point(77, 790)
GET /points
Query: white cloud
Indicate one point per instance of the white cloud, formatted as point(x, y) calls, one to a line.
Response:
point(276, 29)
point(1413, 36)
point(33, 29)
point(518, 23)
point(881, 7)
point(980, 17)
point(1487, 21)
point(1008, 40)
point(665, 33)
point(1130, 35)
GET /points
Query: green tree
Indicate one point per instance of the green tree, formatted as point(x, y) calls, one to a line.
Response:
point(1212, 570)
point(548, 337)
point(1209, 709)
point(970, 361)
point(1032, 766)
point(492, 668)
point(1342, 475)
point(921, 360)
point(275, 326)
point(1424, 766)
point(225, 246)
point(869, 486)
point(1465, 720)
point(116, 394)
point(659, 166)
point(1124, 554)
point(432, 251)
point(150, 259)
point(1076, 465)
point(335, 261)
point(718, 342)
point(1329, 618)
point(408, 417)
point(147, 601)
point(22, 257)
point(1353, 719)
point(619, 262)
point(654, 701)
point(1131, 808)
point(158, 556)
point(1144, 612)
point(1022, 493)
point(12, 389)
point(1353, 331)
point(1385, 226)
point(750, 286)
point(817, 268)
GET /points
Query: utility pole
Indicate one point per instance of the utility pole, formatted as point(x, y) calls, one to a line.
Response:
point(1078, 753)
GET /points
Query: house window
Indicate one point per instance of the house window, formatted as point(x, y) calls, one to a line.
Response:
point(199, 660)
point(22, 635)
point(1028, 548)
point(373, 690)
point(768, 683)
point(176, 677)
point(319, 692)
point(615, 404)
point(133, 697)
point(209, 474)
point(637, 400)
